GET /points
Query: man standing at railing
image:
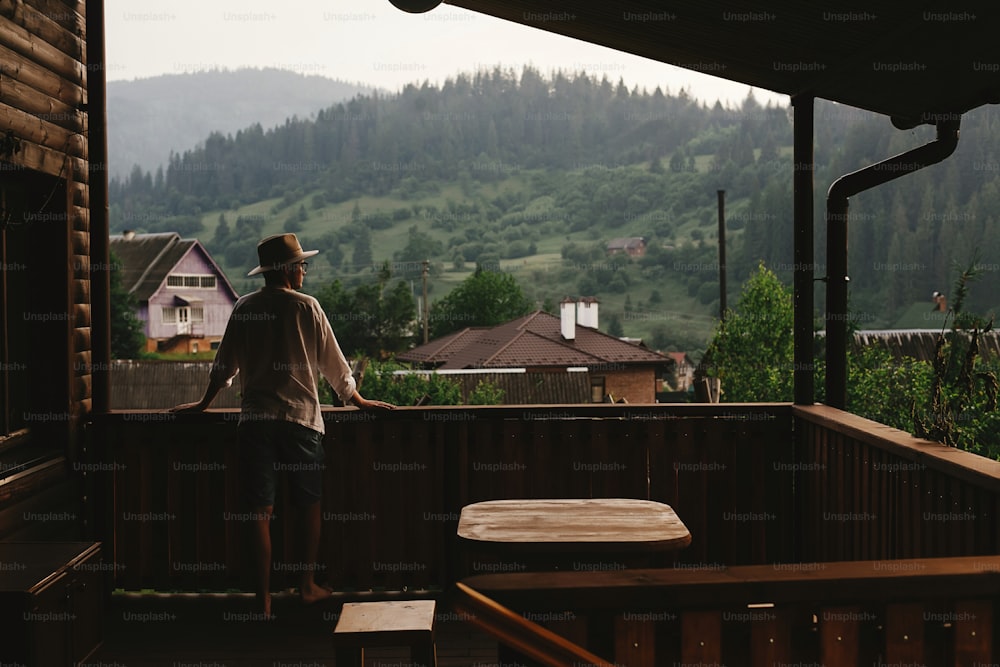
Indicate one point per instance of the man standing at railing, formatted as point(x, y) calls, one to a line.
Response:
point(278, 340)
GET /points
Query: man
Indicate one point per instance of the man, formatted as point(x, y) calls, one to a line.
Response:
point(277, 339)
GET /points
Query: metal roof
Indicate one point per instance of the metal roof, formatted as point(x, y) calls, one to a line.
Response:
point(898, 59)
point(147, 259)
point(532, 341)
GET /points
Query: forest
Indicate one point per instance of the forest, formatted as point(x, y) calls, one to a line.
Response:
point(534, 174)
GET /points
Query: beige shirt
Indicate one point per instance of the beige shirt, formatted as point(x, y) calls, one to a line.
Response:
point(278, 340)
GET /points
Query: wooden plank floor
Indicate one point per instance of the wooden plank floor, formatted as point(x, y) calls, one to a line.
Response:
point(221, 631)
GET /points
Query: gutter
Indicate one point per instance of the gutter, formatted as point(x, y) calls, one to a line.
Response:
point(836, 242)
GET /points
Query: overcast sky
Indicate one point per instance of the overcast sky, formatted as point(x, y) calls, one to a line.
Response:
point(366, 41)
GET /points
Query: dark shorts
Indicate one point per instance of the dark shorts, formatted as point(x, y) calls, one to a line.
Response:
point(272, 447)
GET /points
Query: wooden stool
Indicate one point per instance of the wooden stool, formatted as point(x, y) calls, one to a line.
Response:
point(392, 623)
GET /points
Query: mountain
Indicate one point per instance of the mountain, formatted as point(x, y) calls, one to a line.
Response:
point(149, 118)
point(535, 175)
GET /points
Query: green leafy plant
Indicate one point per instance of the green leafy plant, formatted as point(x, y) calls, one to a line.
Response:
point(751, 351)
point(383, 384)
point(963, 398)
point(486, 393)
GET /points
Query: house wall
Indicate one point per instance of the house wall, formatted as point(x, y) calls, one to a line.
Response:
point(142, 313)
point(634, 385)
point(218, 303)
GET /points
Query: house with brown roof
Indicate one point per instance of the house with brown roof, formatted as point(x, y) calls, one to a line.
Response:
point(543, 343)
point(684, 370)
point(633, 246)
point(184, 298)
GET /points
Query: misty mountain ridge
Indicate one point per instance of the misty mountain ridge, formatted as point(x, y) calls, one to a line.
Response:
point(531, 174)
point(152, 117)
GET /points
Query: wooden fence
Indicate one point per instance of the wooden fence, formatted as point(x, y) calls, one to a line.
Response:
point(867, 491)
point(395, 484)
point(755, 484)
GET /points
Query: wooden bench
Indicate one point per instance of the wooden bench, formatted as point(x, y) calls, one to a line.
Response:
point(382, 624)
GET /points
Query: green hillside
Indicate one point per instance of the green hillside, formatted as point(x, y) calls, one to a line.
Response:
point(660, 306)
point(534, 175)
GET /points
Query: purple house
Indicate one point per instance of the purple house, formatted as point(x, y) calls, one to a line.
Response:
point(184, 297)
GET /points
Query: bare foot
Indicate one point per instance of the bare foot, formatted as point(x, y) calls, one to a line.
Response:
point(314, 593)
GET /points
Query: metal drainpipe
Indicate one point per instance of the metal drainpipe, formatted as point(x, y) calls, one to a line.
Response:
point(836, 243)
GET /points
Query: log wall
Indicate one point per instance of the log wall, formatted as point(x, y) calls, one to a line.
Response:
point(43, 97)
point(44, 151)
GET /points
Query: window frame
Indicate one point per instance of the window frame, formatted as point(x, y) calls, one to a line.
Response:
point(199, 281)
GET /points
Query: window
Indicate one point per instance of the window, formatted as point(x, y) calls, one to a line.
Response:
point(597, 389)
point(15, 330)
point(182, 314)
point(38, 350)
point(186, 280)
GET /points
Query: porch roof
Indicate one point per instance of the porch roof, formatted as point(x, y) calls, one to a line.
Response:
point(901, 60)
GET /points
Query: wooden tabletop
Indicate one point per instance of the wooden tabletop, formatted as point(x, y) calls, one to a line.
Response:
point(565, 525)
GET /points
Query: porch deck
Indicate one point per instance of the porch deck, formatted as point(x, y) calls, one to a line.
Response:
point(774, 486)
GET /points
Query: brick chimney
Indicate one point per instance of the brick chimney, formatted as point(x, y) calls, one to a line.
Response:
point(567, 318)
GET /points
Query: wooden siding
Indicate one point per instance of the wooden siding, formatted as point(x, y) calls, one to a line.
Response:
point(81, 376)
point(396, 482)
point(156, 385)
point(47, 174)
point(43, 48)
point(551, 386)
point(870, 491)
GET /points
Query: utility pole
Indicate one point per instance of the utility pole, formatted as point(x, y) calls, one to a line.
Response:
point(722, 253)
point(423, 275)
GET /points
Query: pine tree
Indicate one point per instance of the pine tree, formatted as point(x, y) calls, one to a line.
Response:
point(127, 339)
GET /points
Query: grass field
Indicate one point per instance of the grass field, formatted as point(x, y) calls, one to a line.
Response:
point(544, 276)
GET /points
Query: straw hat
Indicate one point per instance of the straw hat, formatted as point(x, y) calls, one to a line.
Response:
point(279, 250)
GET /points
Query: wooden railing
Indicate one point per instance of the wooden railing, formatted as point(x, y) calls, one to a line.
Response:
point(755, 484)
point(867, 491)
point(900, 612)
point(396, 482)
point(528, 638)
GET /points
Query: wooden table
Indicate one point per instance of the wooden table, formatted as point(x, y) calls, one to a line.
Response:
point(602, 527)
point(583, 535)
